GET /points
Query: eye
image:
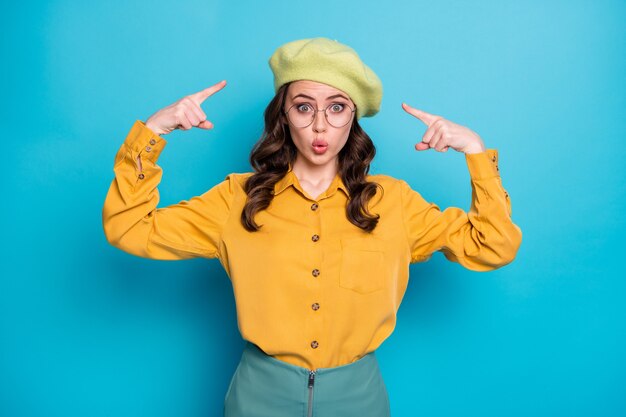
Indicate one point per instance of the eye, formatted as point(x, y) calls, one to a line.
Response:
point(303, 108)
point(337, 107)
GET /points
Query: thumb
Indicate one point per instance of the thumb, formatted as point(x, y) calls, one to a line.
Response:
point(421, 146)
point(205, 124)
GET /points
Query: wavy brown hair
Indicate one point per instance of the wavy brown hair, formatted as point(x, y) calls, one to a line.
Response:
point(274, 151)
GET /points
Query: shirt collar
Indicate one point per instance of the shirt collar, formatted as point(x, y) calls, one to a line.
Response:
point(290, 179)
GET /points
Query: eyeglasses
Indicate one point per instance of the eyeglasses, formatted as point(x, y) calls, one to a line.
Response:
point(302, 114)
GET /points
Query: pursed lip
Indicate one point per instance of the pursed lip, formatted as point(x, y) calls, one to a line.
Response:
point(319, 142)
point(319, 146)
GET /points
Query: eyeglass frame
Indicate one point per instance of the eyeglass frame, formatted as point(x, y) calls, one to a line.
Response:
point(316, 110)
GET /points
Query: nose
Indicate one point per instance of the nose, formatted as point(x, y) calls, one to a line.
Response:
point(319, 121)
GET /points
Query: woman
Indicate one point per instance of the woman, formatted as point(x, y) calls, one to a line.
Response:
point(317, 250)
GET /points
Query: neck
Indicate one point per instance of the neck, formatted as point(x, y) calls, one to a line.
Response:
point(314, 173)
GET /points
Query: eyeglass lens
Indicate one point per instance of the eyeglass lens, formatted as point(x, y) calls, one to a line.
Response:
point(337, 114)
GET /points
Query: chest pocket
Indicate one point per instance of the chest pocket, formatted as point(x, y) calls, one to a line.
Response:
point(362, 264)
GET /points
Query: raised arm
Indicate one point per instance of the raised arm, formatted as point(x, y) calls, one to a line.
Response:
point(130, 217)
point(485, 238)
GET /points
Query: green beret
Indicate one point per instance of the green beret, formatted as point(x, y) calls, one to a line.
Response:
point(330, 62)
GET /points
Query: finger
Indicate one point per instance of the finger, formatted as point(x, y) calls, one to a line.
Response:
point(196, 110)
point(205, 124)
point(183, 121)
point(431, 131)
point(443, 143)
point(193, 119)
point(427, 118)
point(445, 149)
point(436, 139)
point(439, 140)
point(421, 146)
point(200, 96)
point(424, 144)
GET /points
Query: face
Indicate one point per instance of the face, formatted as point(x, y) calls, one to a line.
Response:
point(319, 143)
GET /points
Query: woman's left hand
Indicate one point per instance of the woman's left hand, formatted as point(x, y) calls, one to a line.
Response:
point(443, 134)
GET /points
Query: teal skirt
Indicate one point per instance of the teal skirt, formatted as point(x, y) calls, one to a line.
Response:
point(263, 386)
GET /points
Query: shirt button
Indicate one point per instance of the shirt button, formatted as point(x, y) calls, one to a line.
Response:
point(315, 306)
point(315, 238)
point(493, 158)
point(148, 148)
point(314, 206)
point(152, 141)
point(315, 272)
point(314, 344)
point(141, 176)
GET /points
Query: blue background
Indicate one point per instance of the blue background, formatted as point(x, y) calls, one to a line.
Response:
point(88, 330)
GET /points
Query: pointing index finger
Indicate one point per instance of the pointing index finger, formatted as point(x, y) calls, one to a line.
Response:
point(427, 118)
point(202, 95)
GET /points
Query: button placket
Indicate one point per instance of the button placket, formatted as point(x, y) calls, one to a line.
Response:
point(316, 256)
point(494, 159)
point(148, 148)
point(315, 238)
point(314, 207)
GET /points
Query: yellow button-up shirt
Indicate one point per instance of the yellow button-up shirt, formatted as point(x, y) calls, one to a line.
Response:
point(310, 288)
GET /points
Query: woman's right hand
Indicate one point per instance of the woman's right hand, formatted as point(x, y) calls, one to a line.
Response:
point(183, 114)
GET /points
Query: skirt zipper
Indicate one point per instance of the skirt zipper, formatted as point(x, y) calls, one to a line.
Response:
point(311, 383)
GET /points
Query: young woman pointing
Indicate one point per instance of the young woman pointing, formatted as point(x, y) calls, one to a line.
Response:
point(317, 250)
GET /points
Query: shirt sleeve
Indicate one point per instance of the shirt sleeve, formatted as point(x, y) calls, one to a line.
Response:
point(130, 217)
point(483, 239)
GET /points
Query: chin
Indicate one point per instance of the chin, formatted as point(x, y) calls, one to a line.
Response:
point(322, 159)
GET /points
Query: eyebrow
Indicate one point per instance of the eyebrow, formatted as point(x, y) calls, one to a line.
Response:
point(327, 98)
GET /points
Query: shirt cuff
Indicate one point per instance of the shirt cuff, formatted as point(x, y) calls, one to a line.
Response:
point(483, 165)
point(142, 141)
